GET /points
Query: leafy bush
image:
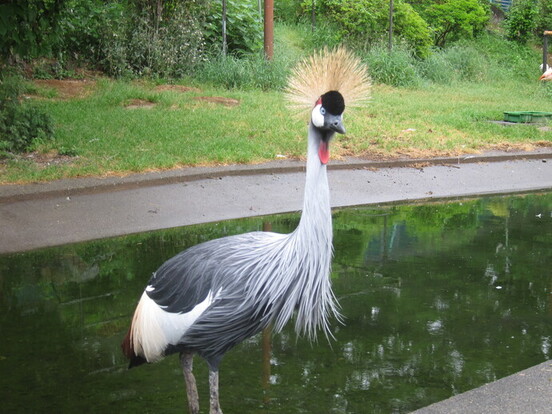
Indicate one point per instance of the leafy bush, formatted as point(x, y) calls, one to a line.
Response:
point(522, 20)
point(21, 125)
point(83, 25)
point(366, 22)
point(29, 29)
point(413, 29)
point(544, 20)
point(138, 45)
point(244, 27)
point(324, 34)
point(456, 19)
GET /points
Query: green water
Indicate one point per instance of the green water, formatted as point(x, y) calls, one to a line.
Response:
point(438, 299)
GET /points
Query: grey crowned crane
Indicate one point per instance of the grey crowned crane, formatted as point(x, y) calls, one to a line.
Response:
point(214, 295)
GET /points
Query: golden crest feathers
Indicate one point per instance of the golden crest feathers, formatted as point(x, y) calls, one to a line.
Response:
point(337, 70)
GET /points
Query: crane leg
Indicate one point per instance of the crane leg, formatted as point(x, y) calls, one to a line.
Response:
point(187, 362)
point(214, 392)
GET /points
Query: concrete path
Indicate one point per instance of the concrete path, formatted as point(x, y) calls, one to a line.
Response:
point(40, 215)
point(66, 211)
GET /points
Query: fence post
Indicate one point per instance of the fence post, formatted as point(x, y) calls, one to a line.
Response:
point(545, 49)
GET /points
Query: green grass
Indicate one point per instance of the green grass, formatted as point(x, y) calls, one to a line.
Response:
point(440, 106)
point(179, 131)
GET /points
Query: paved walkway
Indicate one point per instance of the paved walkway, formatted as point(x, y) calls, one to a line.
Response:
point(40, 215)
point(66, 211)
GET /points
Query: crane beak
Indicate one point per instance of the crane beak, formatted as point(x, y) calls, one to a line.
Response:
point(334, 123)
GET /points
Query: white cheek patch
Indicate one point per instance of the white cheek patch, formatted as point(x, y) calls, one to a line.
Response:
point(317, 117)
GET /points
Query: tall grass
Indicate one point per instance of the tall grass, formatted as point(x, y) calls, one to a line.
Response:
point(488, 58)
point(249, 72)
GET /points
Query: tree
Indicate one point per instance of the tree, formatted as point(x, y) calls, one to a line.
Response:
point(522, 20)
point(454, 19)
point(368, 21)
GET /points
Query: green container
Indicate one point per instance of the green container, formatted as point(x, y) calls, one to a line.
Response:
point(527, 116)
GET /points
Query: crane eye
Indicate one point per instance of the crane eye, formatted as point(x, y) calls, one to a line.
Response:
point(322, 110)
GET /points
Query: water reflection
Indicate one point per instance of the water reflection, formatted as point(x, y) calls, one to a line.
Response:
point(438, 299)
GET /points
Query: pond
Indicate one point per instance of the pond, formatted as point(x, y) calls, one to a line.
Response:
point(438, 298)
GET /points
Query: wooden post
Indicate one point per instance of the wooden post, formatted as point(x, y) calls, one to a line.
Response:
point(269, 29)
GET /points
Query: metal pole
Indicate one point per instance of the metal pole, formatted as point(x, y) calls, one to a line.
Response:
point(390, 45)
point(313, 15)
point(224, 43)
point(269, 29)
point(545, 50)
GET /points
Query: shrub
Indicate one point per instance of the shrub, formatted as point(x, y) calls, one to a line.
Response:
point(414, 30)
point(522, 20)
point(136, 45)
point(21, 125)
point(29, 29)
point(366, 22)
point(544, 20)
point(324, 34)
point(244, 27)
point(456, 19)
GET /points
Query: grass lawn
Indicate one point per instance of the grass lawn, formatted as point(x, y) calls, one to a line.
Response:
point(118, 127)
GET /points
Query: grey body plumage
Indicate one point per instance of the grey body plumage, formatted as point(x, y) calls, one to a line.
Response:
point(257, 279)
point(214, 295)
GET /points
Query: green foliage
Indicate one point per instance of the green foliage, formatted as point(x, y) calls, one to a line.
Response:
point(289, 11)
point(249, 72)
point(455, 19)
point(244, 26)
point(544, 20)
point(21, 125)
point(139, 44)
point(355, 18)
point(325, 33)
point(411, 27)
point(396, 67)
point(367, 22)
point(84, 25)
point(29, 28)
point(522, 20)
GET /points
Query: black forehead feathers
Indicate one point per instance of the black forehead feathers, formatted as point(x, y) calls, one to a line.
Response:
point(333, 102)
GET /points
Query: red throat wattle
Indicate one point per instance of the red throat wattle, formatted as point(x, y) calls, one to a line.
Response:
point(324, 152)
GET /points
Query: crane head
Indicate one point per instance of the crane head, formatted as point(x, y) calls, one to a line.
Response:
point(327, 113)
point(327, 117)
point(328, 78)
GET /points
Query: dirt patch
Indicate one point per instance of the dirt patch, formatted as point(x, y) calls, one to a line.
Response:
point(175, 88)
point(68, 88)
point(218, 100)
point(139, 103)
point(43, 160)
